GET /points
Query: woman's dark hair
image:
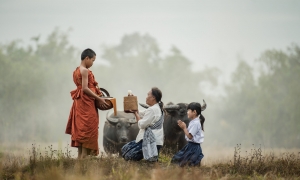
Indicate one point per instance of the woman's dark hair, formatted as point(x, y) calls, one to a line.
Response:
point(158, 95)
point(197, 106)
point(87, 53)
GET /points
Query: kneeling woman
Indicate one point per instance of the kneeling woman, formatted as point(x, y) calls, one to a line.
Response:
point(150, 137)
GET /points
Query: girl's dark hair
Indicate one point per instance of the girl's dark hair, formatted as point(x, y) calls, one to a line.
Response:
point(197, 106)
point(158, 95)
point(87, 53)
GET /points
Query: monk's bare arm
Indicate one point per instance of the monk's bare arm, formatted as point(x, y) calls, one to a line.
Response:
point(85, 88)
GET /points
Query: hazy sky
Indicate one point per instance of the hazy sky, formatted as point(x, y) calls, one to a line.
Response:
point(210, 32)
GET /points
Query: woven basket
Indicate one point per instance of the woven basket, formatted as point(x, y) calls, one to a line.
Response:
point(130, 103)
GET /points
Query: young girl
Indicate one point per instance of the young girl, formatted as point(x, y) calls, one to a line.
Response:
point(191, 153)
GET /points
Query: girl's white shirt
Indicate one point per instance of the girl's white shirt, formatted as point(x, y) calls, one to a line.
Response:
point(149, 117)
point(196, 131)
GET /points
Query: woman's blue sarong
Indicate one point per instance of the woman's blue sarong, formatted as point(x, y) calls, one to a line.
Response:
point(191, 154)
point(133, 151)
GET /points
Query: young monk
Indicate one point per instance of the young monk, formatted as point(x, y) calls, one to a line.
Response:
point(83, 119)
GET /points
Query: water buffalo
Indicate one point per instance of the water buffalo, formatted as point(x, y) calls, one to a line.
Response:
point(174, 136)
point(119, 130)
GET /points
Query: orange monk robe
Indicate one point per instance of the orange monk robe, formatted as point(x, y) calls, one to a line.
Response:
point(83, 120)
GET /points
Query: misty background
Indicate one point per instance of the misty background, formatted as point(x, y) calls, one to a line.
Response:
point(242, 57)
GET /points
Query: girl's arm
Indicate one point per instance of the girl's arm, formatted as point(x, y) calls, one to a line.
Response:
point(86, 89)
point(182, 125)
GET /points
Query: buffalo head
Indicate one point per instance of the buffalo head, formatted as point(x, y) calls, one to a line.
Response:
point(121, 124)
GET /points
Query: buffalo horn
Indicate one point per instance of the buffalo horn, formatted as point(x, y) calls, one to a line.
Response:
point(203, 106)
point(171, 107)
point(111, 119)
point(144, 105)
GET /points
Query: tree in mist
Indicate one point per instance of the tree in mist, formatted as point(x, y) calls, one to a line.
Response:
point(32, 85)
point(265, 109)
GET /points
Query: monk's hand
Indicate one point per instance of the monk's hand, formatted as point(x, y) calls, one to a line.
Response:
point(102, 102)
point(181, 124)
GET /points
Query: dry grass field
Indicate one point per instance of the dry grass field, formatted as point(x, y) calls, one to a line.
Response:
point(39, 162)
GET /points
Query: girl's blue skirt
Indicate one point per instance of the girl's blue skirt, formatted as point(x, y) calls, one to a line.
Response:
point(191, 154)
point(133, 151)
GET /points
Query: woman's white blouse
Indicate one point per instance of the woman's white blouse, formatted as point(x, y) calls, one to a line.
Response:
point(150, 117)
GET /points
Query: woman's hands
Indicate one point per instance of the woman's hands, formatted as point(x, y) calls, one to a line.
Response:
point(132, 111)
point(136, 114)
